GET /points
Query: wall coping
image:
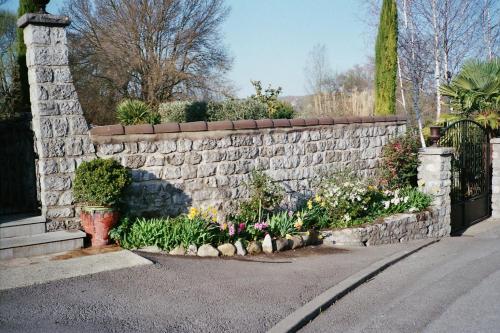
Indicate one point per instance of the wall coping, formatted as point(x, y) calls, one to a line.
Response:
point(495, 141)
point(203, 126)
point(47, 20)
point(436, 151)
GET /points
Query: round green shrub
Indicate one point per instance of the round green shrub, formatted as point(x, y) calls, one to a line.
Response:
point(281, 110)
point(100, 182)
point(236, 109)
point(183, 111)
point(134, 112)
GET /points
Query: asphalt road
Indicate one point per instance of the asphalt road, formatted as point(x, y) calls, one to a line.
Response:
point(182, 294)
point(451, 286)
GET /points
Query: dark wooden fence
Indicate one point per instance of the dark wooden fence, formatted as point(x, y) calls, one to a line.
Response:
point(18, 191)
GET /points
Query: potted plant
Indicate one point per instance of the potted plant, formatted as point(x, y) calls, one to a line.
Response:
point(98, 186)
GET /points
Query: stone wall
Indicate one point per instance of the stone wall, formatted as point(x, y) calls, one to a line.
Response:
point(495, 178)
point(434, 178)
point(175, 166)
point(398, 228)
point(61, 132)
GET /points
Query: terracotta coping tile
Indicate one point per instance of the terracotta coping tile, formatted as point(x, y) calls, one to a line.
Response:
point(220, 125)
point(281, 122)
point(297, 122)
point(264, 123)
point(341, 120)
point(245, 124)
point(311, 121)
point(195, 126)
point(108, 130)
point(167, 128)
point(139, 129)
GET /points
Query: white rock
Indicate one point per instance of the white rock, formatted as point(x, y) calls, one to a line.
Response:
point(178, 251)
point(207, 250)
point(227, 249)
point(240, 249)
point(267, 244)
point(192, 250)
point(150, 249)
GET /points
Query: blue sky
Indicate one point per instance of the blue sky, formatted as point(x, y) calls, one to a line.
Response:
point(271, 39)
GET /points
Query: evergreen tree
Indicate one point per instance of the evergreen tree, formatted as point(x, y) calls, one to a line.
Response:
point(386, 65)
point(25, 6)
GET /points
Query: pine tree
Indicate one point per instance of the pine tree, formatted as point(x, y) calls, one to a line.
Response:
point(25, 6)
point(386, 65)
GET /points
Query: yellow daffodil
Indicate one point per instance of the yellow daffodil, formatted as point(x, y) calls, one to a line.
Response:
point(193, 212)
point(288, 236)
point(223, 226)
point(317, 198)
point(298, 224)
point(309, 204)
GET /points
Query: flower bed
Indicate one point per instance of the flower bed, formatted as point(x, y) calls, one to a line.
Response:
point(259, 224)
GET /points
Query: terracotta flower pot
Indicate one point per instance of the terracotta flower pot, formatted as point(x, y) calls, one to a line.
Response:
point(97, 222)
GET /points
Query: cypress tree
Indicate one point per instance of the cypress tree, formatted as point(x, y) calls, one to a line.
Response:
point(386, 65)
point(25, 6)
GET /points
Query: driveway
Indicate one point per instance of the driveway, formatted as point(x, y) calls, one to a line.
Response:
point(183, 294)
point(452, 286)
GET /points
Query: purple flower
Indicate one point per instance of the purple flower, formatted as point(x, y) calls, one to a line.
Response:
point(260, 226)
point(241, 227)
point(231, 230)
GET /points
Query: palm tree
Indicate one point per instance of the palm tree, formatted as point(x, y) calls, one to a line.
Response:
point(475, 93)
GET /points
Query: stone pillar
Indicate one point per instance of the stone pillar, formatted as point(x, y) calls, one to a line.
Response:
point(61, 132)
point(434, 178)
point(495, 178)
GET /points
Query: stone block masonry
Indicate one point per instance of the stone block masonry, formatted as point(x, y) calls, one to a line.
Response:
point(495, 178)
point(175, 166)
point(61, 132)
point(434, 178)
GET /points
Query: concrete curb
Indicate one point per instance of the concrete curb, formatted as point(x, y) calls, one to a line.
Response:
point(300, 317)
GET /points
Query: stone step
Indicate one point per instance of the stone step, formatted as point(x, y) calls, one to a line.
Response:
point(40, 244)
point(21, 225)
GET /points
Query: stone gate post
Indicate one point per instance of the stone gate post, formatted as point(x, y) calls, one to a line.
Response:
point(495, 178)
point(434, 178)
point(61, 132)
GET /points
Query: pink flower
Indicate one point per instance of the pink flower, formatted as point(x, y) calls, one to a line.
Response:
point(260, 226)
point(241, 227)
point(231, 230)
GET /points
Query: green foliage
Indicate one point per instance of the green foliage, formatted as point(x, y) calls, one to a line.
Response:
point(100, 182)
point(400, 161)
point(134, 112)
point(183, 111)
point(476, 88)
point(282, 224)
point(9, 73)
point(265, 197)
point(276, 109)
point(386, 59)
point(25, 6)
point(236, 109)
point(166, 233)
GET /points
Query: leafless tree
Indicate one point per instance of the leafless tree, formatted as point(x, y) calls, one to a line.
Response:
point(154, 50)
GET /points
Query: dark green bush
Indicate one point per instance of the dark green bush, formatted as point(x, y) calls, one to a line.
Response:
point(134, 112)
point(100, 182)
point(183, 111)
point(236, 109)
point(282, 110)
point(400, 161)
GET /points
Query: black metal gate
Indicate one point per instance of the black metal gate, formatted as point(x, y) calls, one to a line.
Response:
point(470, 173)
point(18, 193)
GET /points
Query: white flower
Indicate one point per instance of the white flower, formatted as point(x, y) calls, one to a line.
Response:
point(387, 204)
point(413, 209)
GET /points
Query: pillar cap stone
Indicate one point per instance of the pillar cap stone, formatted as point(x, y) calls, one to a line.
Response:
point(436, 151)
point(47, 20)
point(495, 141)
